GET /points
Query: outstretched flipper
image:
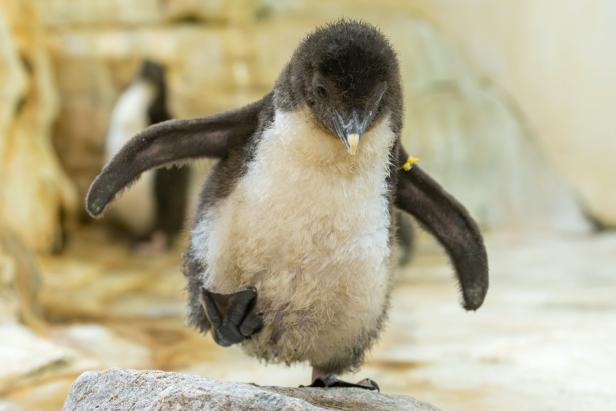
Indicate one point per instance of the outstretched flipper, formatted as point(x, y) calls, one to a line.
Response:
point(171, 142)
point(447, 220)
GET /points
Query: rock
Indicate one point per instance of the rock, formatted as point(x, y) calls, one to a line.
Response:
point(157, 390)
point(28, 358)
point(100, 344)
point(9, 406)
point(34, 191)
point(562, 79)
point(20, 282)
point(38, 368)
point(79, 13)
point(122, 286)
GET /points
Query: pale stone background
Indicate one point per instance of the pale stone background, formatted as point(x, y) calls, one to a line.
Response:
point(508, 103)
point(557, 60)
point(471, 134)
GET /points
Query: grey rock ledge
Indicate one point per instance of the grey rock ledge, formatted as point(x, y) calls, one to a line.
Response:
point(123, 389)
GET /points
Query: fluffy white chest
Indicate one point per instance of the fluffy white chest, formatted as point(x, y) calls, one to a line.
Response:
point(308, 225)
point(306, 212)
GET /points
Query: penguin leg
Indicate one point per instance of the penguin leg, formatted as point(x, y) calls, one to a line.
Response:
point(323, 380)
point(232, 316)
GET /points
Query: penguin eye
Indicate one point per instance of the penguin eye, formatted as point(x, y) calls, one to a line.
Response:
point(321, 91)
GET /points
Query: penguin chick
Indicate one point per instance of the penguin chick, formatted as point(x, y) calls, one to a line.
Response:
point(155, 207)
point(291, 248)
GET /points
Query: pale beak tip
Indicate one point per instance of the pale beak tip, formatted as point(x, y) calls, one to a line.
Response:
point(353, 140)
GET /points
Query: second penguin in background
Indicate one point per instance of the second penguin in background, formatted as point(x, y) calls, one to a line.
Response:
point(153, 211)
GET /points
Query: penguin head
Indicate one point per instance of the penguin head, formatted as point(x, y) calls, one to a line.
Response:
point(152, 72)
point(347, 74)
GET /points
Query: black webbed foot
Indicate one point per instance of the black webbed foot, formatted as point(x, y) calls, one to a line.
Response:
point(232, 316)
point(331, 381)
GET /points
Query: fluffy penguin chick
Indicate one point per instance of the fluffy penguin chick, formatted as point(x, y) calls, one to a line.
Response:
point(308, 223)
point(309, 227)
point(291, 248)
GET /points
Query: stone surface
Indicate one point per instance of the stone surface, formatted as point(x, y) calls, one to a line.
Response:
point(80, 13)
point(38, 368)
point(20, 281)
point(561, 78)
point(157, 390)
point(34, 190)
point(27, 358)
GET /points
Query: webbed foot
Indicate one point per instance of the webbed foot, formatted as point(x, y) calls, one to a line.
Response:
point(331, 381)
point(232, 316)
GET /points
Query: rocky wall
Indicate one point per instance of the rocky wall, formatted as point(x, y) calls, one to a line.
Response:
point(34, 191)
point(469, 133)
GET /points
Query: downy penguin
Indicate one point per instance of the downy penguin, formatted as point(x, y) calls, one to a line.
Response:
point(300, 208)
point(155, 207)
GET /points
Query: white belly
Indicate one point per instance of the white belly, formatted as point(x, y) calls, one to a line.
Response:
point(308, 225)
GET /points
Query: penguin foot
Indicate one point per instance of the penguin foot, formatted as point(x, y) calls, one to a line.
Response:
point(232, 316)
point(331, 381)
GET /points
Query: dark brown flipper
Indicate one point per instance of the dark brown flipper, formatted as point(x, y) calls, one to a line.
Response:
point(447, 220)
point(172, 142)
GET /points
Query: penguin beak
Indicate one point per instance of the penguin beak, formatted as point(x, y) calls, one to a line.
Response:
point(353, 142)
point(349, 130)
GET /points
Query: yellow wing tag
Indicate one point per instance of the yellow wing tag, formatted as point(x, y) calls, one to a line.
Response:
point(409, 163)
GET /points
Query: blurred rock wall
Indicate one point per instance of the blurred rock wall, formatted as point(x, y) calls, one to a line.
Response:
point(469, 132)
point(20, 281)
point(34, 190)
point(557, 59)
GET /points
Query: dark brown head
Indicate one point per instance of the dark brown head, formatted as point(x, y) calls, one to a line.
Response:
point(155, 74)
point(347, 73)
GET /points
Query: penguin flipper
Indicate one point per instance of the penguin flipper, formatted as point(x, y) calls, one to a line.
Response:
point(172, 142)
point(447, 220)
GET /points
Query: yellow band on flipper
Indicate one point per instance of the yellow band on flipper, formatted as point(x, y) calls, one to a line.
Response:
point(409, 163)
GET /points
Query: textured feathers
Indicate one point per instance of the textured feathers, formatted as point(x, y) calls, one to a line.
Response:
point(288, 211)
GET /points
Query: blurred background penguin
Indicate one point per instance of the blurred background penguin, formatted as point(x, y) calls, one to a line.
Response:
point(153, 211)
